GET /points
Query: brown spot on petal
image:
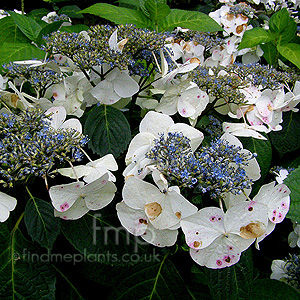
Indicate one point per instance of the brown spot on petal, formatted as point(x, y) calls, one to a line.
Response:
point(14, 99)
point(143, 221)
point(128, 177)
point(122, 44)
point(186, 47)
point(252, 230)
point(153, 210)
point(243, 17)
point(230, 17)
point(178, 215)
point(195, 60)
point(197, 244)
point(250, 108)
point(239, 29)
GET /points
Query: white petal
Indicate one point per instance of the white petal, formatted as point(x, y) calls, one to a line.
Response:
point(231, 139)
point(113, 40)
point(104, 92)
point(99, 193)
point(278, 269)
point(248, 219)
point(155, 123)
point(76, 211)
point(164, 63)
point(58, 115)
point(253, 168)
point(270, 228)
point(160, 238)
point(136, 193)
point(181, 206)
point(143, 139)
point(4, 213)
point(276, 198)
point(80, 171)
point(167, 105)
point(108, 161)
point(185, 109)
point(240, 129)
point(134, 220)
point(159, 179)
point(167, 218)
point(125, 86)
point(7, 201)
point(65, 195)
point(220, 253)
point(193, 134)
point(73, 124)
point(202, 228)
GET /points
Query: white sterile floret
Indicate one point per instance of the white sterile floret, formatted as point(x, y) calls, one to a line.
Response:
point(7, 204)
point(293, 98)
point(3, 83)
point(243, 129)
point(185, 98)
point(294, 236)
point(93, 169)
point(151, 126)
point(57, 116)
point(279, 270)
point(114, 44)
point(277, 199)
point(217, 239)
point(116, 85)
point(70, 93)
point(73, 200)
point(153, 214)
point(281, 175)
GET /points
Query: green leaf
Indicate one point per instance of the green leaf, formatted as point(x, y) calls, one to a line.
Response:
point(158, 280)
point(47, 29)
point(72, 11)
point(188, 19)
point(283, 26)
point(287, 139)
point(38, 13)
point(27, 25)
point(129, 3)
point(108, 130)
point(40, 222)
point(254, 37)
point(99, 240)
point(232, 283)
point(270, 53)
point(19, 51)
point(9, 32)
point(291, 52)
point(157, 10)
point(293, 183)
point(23, 275)
point(119, 15)
point(272, 289)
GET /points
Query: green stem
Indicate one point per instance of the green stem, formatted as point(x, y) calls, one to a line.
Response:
point(30, 195)
point(22, 7)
